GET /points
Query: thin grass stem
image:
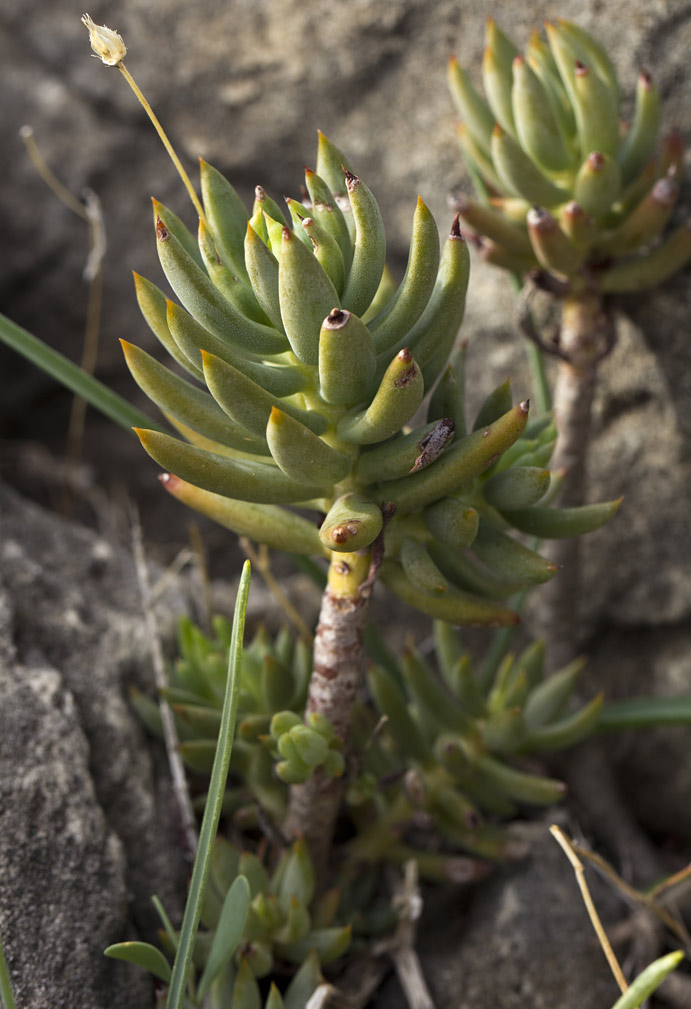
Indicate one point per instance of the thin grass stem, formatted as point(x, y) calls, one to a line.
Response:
point(212, 811)
point(196, 202)
point(579, 870)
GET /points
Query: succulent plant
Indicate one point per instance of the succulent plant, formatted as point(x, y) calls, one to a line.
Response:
point(577, 202)
point(444, 754)
point(251, 919)
point(284, 920)
point(314, 367)
point(273, 746)
point(443, 763)
point(570, 189)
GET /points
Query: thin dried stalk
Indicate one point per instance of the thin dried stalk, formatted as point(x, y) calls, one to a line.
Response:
point(187, 818)
point(579, 871)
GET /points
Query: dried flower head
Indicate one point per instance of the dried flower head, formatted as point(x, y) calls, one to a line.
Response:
point(107, 45)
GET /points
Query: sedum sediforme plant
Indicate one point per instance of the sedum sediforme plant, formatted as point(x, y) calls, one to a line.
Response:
point(274, 747)
point(577, 202)
point(444, 763)
point(306, 367)
point(444, 752)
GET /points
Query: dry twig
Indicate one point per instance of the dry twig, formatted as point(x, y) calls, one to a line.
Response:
point(182, 798)
point(579, 870)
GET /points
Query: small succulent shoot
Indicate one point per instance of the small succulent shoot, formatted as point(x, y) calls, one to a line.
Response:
point(276, 745)
point(444, 755)
point(250, 919)
point(548, 137)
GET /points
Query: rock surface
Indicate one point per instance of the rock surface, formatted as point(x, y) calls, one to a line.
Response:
point(87, 825)
point(522, 938)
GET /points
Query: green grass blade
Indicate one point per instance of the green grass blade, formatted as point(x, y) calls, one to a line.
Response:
point(228, 933)
point(165, 921)
point(648, 980)
point(645, 713)
point(212, 812)
point(6, 993)
point(73, 377)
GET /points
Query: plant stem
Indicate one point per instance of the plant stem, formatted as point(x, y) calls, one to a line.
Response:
point(165, 141)
point(584, 338)
point(336, 676)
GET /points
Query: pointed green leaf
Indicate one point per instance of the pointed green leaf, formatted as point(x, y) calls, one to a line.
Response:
point(395, 402)
point(247, 402)
point(236, 478)
point(300, 453)
point(227, 217)
point(414, 291)
point(142, 954)
point(207, 305)
point(229, 930)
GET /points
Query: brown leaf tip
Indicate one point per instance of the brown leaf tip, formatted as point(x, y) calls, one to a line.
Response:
point(596, 161)
point(351, 180)
point(345, 531)
point(336, 319)
point(540, 219)
point(260, 193)
point(455, 232)
point(574, 210)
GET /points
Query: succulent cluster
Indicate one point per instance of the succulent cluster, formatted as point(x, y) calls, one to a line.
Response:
point(444, 758)
point(569, 188)
point(282, 922)
point(250, 919)
point(314, 366)
point(273, 746)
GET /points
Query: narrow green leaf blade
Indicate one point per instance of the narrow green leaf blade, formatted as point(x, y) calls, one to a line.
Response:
point(212, 812)
point(648, 980)
point(73, 377)
point(231, 925)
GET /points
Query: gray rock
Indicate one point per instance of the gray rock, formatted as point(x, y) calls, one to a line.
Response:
point(522, 938)
point(88, 830)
